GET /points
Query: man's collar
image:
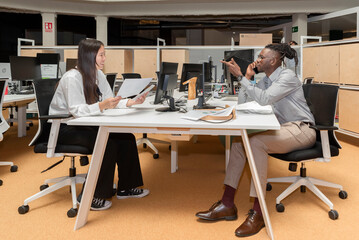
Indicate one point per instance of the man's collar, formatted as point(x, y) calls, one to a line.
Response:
point(275, 74)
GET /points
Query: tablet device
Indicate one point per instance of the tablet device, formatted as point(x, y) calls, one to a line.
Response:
point(145, 91)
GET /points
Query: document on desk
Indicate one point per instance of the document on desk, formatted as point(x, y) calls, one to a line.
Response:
point(199, 114)
point(254, 107)
point(133, 86)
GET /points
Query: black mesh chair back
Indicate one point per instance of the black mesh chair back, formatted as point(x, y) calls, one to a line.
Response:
point(111, 78)
point(322, 101)
point(44, 92)
point(2, 90)
point(131, 75)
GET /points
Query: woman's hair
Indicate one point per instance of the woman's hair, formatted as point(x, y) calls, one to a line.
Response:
point(86, 64)
point(284, 50)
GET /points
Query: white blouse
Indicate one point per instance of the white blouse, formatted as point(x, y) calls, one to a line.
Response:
point(70, 98)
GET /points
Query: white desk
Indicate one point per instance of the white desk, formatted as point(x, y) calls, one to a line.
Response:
point(145, 119)
point(21, 102)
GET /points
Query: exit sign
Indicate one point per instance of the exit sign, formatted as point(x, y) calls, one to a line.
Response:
point(294, 29)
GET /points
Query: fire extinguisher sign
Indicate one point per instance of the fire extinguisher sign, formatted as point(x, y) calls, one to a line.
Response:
point(48, 26)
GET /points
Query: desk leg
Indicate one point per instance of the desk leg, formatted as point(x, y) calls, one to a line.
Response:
point(21, 121)
point(257, 185)
point(92, 175)
point(174, 156)
point(227, 150)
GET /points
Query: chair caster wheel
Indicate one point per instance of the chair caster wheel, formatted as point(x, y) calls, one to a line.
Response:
point(27, 128)
point(44, 186)
point(280, 207)
point(13, 168)
point(343, 194)
point(269, 187)
point(156, 155)
point(72, 212)
point(0, 182)
point(333, 214)
point(31, 124)
point(144, 145)
point(23, 209)
point(114, 191)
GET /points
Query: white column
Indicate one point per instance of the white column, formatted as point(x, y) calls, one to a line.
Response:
point(101, 29)
point(49, 29)
point(287, 33)
point(299, 20)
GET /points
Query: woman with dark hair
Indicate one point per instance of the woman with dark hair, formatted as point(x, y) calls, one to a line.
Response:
point(281, 89)
point(84, 91)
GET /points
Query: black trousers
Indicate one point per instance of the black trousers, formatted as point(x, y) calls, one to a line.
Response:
point(121, 149)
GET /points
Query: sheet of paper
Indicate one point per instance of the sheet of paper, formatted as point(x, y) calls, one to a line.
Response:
point(133, 86)
point(254, 107)
point(198, 114)
point(145, 91)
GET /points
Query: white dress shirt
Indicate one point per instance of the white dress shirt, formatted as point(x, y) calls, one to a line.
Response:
point(69, 97)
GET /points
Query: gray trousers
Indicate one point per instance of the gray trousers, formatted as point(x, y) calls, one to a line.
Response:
point(291, 136)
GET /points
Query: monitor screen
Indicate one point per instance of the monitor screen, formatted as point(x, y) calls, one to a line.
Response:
point(243, 58)
point(189, 71)
point(24, 68)
point(167, 68)
point(71, 63)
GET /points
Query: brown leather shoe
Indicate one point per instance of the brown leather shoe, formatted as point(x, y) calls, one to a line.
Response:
point(218, 211)
point(252, 225)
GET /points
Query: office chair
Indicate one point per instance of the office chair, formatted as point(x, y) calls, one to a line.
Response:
point(4, 126)
point(322, 101)
point(144, 140)
point(308, 80)
point(45, 141)
point(111, 78)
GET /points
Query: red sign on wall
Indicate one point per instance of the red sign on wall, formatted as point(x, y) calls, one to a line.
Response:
point(48, 26)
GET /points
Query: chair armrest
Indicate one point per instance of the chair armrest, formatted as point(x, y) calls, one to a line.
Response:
point(59, 116)
point(319, 127)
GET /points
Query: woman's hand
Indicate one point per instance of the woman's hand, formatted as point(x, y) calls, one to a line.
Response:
point(109, 103)
point(139, 100)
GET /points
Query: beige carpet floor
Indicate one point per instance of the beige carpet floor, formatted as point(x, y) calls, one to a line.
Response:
point(169, 211)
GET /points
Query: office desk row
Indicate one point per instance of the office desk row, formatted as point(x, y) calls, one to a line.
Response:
point(144, 119)
point(21, 102)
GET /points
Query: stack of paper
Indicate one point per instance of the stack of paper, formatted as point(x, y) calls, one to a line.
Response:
point(254, 107)
point(198, 114)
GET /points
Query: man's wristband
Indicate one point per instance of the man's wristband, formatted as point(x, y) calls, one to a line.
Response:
point(239, 78)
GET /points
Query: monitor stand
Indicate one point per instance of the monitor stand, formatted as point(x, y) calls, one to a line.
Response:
point(202, 105)
point(171, 108)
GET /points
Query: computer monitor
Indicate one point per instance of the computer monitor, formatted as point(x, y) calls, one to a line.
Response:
point(71, 63)
point(189, 70)
point(49, 64)
point(24, 68)
point(5, 70)
point(203, 89)
point(166, 68)
point(243, 58)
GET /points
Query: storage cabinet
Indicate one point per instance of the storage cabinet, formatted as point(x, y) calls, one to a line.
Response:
point(144, 61)
point(348, 110)
point(118, 61)
point(337, 64)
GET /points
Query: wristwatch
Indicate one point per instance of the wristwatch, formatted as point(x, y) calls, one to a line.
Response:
point(240, 78)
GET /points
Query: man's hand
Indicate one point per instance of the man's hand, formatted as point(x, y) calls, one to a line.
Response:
point(109, 103)
point(250, 72)
point(233, 68)
point(139, 100)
